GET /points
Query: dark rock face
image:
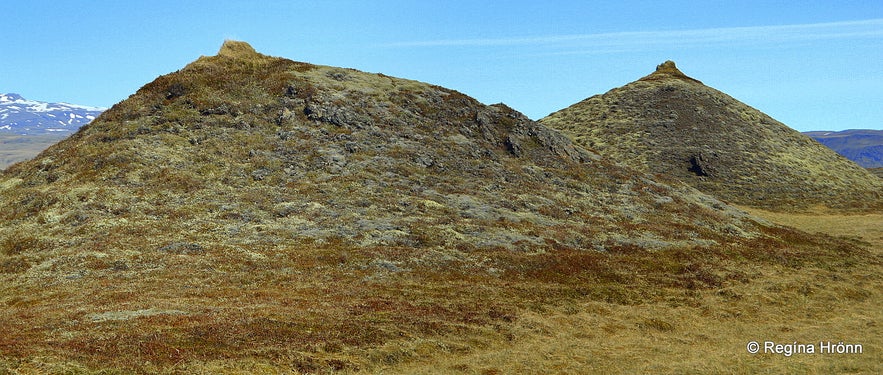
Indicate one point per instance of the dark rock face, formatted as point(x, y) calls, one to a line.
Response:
point(669, 123)
point(703, 165)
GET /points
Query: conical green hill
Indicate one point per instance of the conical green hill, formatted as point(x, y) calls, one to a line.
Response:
point(670, 123)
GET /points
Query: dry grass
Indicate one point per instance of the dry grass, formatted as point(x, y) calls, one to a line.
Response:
point(332, 308)
point(867, 228)
point(708, 332)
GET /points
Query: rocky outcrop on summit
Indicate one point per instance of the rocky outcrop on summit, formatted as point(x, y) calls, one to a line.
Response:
point(669, 71)
point(670, 123)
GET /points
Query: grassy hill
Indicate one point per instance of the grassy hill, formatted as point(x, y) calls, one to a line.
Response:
point(672, 124)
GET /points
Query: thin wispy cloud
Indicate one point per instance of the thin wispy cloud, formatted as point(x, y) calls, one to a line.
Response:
point(872, 28)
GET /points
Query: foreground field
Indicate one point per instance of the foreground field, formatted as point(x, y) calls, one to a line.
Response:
point(332, 324)
point(708, 331)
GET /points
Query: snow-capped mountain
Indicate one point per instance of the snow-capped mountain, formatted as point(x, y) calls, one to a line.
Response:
point(22, 116)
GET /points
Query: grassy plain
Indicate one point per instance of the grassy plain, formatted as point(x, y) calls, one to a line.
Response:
point(15, 148)
point(866, 228)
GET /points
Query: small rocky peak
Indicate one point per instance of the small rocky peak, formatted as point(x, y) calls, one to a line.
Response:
point(668, 67)
point(668, 70)
point(237, 49)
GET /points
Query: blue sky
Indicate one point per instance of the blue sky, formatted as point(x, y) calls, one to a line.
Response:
point(814, 65)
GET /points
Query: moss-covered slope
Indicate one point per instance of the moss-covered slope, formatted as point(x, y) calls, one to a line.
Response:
point(670, 123)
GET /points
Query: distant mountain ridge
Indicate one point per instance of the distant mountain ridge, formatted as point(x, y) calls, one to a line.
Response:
point(31, 117)
point(863, 146)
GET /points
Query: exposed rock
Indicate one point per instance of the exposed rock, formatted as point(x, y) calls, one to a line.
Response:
point(668, 70)
point(703, 164)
